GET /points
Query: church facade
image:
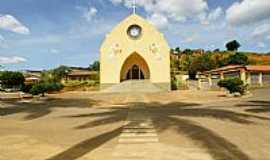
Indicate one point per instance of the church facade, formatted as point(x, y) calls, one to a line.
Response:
point(135, 50)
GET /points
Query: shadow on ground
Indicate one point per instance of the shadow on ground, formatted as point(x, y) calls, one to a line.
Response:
point(256, 106)
point(168, 116)
point(165, 116)
point(42, 108)
point(86, 146)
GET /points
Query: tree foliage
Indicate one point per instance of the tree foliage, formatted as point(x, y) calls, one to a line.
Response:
point(203, 63)
point(11, 79)
point(238, 59)
point(233, 85)
point(60, 72)
point(177, 50)
point(42, 88)
point(95, 66)
point(233, 45)
point(194, 61)
point(39, 88)
point(55, 75)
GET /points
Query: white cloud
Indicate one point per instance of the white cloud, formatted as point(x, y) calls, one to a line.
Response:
point(215, 14)
point(173, 10)
point(12, 60)
point(10, 23)
point(261, 45)
point(90, 14)
point(248, 11)
point(159, 20)
point(2, 42)
point(54, 51)
point(191, 38)
point(1, 38)
point(116, 1)
point(262, 31)
point(212, 16)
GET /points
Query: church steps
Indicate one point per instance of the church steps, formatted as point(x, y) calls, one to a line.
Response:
point(133, 86)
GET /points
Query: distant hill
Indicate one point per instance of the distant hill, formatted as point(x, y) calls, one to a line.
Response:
point(199, 60)
point(256, 58)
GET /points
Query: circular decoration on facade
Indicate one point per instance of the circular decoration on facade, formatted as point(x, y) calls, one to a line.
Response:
point(116, 49)
point(154, 49)
point(134, 31)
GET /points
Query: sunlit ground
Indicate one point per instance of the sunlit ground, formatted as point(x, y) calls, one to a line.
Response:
point(87, 126)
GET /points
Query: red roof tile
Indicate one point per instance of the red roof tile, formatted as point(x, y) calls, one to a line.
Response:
point(230, 68)
point(262, 68)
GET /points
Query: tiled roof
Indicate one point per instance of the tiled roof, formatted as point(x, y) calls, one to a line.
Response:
point(263, 68)
point(226, 68)
point(230, 68)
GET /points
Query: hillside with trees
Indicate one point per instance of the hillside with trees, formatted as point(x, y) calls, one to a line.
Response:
point(199, 60)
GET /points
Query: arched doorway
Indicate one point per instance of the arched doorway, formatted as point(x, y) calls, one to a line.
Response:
point(135, 67)
point(135, 72)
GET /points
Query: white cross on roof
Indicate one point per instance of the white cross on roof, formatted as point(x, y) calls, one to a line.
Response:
point(134, 6)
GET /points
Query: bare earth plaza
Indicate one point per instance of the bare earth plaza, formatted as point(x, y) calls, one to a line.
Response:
point(142, 100)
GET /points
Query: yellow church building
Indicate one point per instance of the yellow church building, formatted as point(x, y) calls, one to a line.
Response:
point(135, 50)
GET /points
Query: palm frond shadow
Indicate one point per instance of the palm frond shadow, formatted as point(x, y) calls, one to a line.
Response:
point(217, 146)
point(173, 114)
point(86, 146)
point(43, 108)
point(256, 106)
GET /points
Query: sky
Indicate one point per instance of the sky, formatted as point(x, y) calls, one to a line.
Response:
point(43, 34)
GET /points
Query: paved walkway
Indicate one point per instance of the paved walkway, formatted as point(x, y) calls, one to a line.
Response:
point(138, 136)
point(156, 126)
point(139, 139)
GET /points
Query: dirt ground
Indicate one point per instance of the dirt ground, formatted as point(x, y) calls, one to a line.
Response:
point(86, 126)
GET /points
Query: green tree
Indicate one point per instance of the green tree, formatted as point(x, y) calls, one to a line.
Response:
point(47, 77)
point(187, 51)
point(217, 50)
point(238, 59)
point(177, 50)
point(95, 66)
point(60, 72)
point(233, 45)
point(233, 85)
point(200, 64)
point(185, 62)
point(11, 79)
point(40, 88)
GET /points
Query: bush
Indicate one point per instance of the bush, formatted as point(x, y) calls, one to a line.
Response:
point(26, 88)
point(54, 87)
point(38, 89)
point(11, 79)
point(174, 85)
point(233, 85)
point(43, 88)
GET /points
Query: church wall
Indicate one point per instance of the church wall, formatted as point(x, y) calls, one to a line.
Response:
point(118, 46)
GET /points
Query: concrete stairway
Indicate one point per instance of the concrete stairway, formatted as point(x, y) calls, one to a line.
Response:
point(133, 86)
point(138, 138)
point(139, 128)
